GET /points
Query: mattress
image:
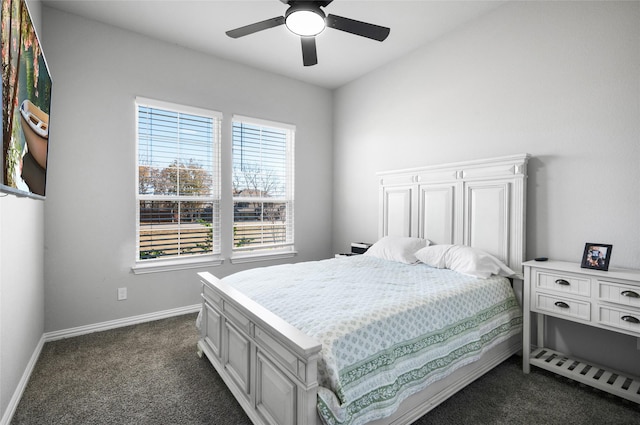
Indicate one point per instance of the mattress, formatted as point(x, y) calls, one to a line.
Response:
point(387, 329)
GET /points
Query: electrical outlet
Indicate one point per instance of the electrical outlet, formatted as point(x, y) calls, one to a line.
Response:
point(122, 294)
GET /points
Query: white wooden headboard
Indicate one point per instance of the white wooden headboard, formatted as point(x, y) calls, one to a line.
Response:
point(478, 203)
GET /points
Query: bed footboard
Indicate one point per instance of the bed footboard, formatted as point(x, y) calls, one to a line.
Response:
point(269, 366)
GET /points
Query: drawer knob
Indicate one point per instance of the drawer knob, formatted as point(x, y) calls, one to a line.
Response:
point(561, 304)
point(563, 282)
point(630, 319)
point(630, 294)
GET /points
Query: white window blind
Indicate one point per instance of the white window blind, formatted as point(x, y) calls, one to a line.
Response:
point(263, 192)
point(178, 193)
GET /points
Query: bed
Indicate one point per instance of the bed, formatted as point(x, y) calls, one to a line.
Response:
point(284, 366)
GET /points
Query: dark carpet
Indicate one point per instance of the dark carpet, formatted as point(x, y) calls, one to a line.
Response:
point(150, 374)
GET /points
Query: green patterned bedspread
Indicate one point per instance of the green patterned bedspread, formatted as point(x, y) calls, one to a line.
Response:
point(387, 329)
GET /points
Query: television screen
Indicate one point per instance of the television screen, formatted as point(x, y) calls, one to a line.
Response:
point(26, 101)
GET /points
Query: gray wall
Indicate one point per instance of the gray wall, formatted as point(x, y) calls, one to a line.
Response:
point(21, 281)
point(21, 289)
point(90, 207)
point(558, 80)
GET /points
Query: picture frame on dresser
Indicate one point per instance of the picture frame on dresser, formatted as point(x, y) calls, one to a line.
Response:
point(596, 256)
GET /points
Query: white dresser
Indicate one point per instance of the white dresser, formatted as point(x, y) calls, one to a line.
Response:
point(604, 299)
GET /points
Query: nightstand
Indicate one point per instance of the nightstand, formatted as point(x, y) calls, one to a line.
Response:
point(603, 299)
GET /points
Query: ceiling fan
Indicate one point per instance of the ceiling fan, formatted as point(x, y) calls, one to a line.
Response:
point(307, 19)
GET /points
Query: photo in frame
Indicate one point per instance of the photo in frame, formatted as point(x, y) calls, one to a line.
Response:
point(26, 103)
point(596, 256)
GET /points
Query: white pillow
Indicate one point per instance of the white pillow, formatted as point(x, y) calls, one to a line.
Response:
point(397, 248)
point(464, 259)
point(433, 255)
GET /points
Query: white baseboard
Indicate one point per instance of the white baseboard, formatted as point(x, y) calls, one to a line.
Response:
point(17, 394)
point(119, 323)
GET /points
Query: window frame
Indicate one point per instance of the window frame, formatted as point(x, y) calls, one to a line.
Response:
point(287, 249)
point(187, 261)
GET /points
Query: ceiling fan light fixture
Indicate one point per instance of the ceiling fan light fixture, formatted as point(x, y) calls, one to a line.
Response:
point(305, 21)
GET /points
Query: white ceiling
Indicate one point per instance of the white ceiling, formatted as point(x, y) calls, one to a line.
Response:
point(342, 57)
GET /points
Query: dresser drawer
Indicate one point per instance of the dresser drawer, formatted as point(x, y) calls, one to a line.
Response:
point(559, 306)
point(619, 293)
point(620, 319)
point(563, 284)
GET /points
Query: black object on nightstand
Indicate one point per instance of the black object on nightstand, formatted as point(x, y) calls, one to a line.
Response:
point(359, 247)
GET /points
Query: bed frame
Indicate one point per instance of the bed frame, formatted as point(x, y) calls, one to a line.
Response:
point(271, 367)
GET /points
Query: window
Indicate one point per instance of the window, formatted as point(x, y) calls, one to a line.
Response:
point(263, 155)
point(178, 182)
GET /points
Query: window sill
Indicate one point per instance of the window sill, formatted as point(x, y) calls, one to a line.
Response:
point(174, 264)
point(240, 258)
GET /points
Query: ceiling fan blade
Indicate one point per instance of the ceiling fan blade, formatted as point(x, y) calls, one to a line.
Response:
point(309, 54)
point(318, 3)
point(258, 26)
point(375, 32)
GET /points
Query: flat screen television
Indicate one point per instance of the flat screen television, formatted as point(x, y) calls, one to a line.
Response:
point(26, 102)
